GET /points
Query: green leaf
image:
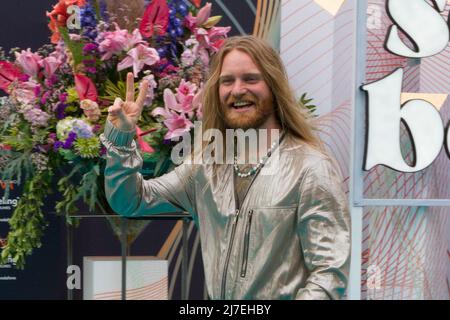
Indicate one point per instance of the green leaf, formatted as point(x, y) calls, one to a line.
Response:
point(27, 222)
point(76, 48)
point(119, 90)
point(304, 103)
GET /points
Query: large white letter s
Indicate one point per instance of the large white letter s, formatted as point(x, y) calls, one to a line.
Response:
point(422, 23)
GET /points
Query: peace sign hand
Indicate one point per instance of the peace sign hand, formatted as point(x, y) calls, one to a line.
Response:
point(124, 115)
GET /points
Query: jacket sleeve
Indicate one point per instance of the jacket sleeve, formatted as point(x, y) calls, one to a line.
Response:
point(324, 230)
point(128, 193)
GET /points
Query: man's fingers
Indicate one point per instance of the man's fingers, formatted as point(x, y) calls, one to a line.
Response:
point(130, 87)
point(143, 90)
point(116, 107)
point(116, 110)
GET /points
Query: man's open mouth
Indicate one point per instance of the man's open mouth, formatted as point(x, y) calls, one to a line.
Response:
point(242, 105)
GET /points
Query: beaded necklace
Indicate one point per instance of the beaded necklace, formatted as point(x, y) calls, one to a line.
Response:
point(260, 163)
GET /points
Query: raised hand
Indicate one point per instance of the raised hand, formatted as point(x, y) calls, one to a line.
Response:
point(124, 115)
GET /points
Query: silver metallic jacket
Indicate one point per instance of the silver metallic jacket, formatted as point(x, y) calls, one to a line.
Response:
point(289, 239)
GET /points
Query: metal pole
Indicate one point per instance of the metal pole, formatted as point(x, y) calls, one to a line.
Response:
point(184, 265)
point(123, 242)
point(356, 184)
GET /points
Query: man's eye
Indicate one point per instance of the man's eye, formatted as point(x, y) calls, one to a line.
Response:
point(225, 81)
point(252, 79)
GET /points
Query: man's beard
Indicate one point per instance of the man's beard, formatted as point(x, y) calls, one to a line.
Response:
point(253, 118)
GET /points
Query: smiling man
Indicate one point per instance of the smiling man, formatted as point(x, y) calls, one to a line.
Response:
point(284, 235)
point(247, 101)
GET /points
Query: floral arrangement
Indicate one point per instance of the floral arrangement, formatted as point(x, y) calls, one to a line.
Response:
point(57, 100)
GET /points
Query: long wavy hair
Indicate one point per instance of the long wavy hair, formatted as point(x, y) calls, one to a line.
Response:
point(289, 113)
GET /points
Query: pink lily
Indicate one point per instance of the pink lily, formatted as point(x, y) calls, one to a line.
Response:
point(50, 65)
point(168, 100)
point(212, 38)
point(171, 102)
point(185, 89)
point(139, 57)
point(117, 41)
point(177, 125)
point(29, 62)
point(190, 21)
point(133, 39)
point(203, 14)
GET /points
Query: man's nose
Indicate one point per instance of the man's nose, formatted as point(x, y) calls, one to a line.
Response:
point(238, 89)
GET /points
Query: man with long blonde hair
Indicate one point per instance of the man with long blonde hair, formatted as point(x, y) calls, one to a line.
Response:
point(279, 235)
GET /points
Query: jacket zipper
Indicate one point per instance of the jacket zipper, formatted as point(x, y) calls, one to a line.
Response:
point(246, 244)
point(233, 231)
point(227, 259)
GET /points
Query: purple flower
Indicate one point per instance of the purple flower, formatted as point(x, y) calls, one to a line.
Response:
point(49, 82)
point(44, 97)
point(51, 139)
point(88, 61)
point(24, 77)
point(104, 10)
point(37, 90)
point(72, 135)
point(91, 69)
point(60, 108)
point(70, 139)
point(88, 20)
point(57, 145)
point(96, 128)
point(63, 97)
point(89, 48)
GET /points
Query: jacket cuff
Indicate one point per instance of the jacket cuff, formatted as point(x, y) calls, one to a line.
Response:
point(118, 137)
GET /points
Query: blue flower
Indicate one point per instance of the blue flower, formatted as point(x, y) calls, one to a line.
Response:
point(88, 20)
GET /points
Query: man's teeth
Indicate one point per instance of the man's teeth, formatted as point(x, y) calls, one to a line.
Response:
point(242, 104)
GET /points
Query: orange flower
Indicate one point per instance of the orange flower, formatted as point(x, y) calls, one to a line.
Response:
point(58, 16)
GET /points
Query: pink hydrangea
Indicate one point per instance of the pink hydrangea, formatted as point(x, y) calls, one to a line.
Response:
point(25, 92)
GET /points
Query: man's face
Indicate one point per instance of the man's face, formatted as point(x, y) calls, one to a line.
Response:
point(246, 100)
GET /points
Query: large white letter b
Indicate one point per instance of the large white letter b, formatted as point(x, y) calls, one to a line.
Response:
point(383, 133)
